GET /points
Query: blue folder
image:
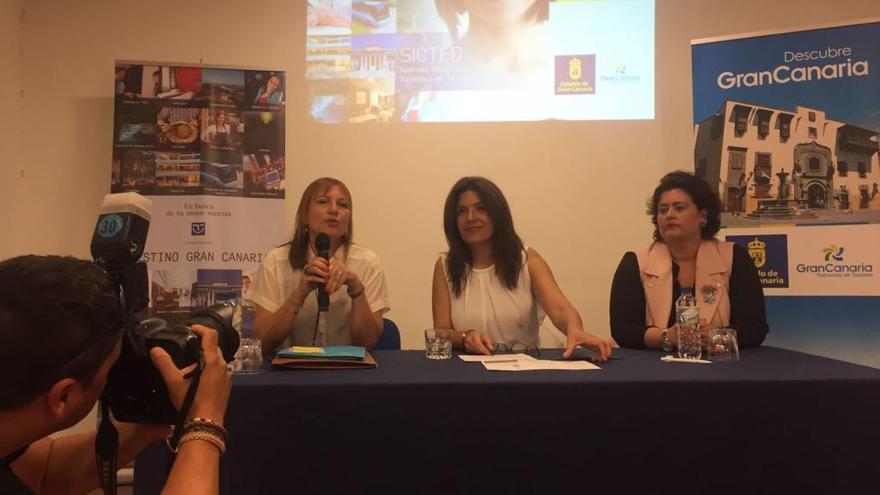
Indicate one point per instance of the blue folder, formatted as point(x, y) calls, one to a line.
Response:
point(352, 352)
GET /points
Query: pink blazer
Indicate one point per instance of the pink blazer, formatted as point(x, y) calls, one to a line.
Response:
point(712, 282)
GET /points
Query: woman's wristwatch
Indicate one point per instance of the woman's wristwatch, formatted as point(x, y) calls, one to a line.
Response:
point(665, 343)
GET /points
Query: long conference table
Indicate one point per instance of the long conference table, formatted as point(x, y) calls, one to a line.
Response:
point(777, 421)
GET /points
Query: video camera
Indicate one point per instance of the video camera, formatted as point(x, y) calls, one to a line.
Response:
point(135, 390)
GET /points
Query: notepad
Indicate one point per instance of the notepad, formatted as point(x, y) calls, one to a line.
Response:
point(482, 358)
point(539, 365)
point(306, 350)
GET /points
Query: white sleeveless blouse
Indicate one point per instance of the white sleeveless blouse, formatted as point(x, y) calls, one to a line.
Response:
point(507, 316)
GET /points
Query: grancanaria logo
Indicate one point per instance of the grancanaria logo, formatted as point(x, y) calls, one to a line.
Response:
point(835, 267)
point(785, 74)
point(833, 252)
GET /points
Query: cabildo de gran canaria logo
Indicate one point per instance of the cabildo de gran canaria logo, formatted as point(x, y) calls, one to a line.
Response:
point(784, 74)
point(758, 252)
point(769, 252)
point(835, 266)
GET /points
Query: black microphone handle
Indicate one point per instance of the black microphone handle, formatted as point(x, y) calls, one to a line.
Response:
point(323, 297)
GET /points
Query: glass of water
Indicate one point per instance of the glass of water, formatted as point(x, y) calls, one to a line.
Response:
point(438, 343)
point(249, 358)
point(722, 345)
point(689, 341)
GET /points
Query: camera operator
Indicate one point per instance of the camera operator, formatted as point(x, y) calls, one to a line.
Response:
point(60, 333)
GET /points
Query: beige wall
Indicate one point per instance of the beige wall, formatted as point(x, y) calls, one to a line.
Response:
point(577, 189)
point(10, 123)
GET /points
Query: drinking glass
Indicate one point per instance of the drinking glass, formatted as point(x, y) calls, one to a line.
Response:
point(689, 342)
point(722, 345)
point(249, 357)
point(438, 343)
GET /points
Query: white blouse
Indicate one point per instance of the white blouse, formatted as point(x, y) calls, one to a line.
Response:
point(275, 280)
point(508, 316)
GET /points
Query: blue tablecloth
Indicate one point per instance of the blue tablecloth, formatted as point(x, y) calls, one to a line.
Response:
point(776, 421)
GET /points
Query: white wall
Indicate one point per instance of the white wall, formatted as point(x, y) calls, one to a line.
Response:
point(577, 189)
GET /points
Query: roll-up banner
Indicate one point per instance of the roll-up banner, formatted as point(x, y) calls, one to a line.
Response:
point(786, 128)
point(206, 144)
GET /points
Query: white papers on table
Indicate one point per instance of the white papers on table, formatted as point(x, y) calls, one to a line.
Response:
point(505, 358)
point(538, 364)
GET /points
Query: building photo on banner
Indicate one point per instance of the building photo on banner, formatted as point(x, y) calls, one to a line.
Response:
point(787, 128)
point(206, 144)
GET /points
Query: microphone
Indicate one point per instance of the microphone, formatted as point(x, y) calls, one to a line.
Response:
point(118, 242)
point(322, 246)
point(121, 232)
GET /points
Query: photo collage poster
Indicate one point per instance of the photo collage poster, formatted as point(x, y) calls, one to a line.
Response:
point(190, 130)
point(207, 146)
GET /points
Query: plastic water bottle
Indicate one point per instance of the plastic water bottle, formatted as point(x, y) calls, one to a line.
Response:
point(687, 315)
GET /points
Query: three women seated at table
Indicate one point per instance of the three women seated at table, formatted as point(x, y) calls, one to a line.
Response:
point(493, 290)
point(685, 255)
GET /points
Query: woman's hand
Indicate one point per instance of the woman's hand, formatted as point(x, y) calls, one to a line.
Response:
point(332, 275)
point(314, 275)
point(477, 343)
point(704, 329)
point(577, 337)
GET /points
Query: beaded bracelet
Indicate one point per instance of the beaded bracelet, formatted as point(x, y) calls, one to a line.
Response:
point(201, 428)
point(206, 425)
point(206, 437)
point(193, 421)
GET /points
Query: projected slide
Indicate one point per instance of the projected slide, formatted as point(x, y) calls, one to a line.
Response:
point(479, 60)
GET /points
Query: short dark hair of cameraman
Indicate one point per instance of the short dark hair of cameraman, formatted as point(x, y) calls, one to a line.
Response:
point(60, 333)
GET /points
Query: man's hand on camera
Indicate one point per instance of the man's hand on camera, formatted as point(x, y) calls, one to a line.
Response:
point(213, 392)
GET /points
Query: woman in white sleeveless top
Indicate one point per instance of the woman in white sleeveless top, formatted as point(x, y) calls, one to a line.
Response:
point(490, 288)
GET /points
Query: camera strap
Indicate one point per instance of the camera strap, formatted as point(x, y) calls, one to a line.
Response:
point(106, 445)
point(195, 377)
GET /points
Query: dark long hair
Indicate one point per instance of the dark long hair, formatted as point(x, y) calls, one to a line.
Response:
point(700, 192)
point(299, 245)
point(506, 245)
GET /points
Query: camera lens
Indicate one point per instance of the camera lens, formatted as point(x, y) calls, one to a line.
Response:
point(219, 318)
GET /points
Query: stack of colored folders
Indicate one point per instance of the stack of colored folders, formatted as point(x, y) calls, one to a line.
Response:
point(330, 357)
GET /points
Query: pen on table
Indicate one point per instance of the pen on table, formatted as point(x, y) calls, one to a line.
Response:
point(610, 358)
